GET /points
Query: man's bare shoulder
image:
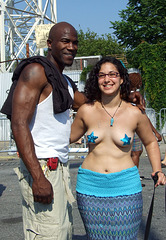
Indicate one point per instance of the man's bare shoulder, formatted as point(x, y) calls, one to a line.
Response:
point(34, 74)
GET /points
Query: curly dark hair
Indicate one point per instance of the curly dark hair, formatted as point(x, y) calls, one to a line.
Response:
point(92, 90)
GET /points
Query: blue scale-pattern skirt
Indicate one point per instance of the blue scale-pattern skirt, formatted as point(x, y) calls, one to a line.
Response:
point(114, 217)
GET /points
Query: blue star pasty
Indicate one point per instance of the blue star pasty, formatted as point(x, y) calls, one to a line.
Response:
point(91, 138)
point(126, 140)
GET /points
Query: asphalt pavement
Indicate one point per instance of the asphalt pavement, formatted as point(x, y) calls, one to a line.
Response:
point(10, 200)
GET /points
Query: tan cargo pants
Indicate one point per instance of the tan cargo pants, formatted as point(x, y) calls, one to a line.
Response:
point(47, 221)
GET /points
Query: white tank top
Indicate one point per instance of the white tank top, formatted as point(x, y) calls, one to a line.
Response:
point(51, 131)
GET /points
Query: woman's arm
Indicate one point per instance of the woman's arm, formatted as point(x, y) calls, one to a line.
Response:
point(78, 128)
point(145, 133)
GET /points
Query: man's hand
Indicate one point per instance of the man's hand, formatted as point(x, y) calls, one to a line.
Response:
point(42, 191)
point(137, 98)
point(158, 136)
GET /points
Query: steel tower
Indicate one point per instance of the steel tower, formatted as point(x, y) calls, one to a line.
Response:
point(18, 20)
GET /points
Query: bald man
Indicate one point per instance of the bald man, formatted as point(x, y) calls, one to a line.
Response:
point(41, 127)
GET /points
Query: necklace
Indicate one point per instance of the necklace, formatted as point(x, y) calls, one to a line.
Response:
point(112, 116)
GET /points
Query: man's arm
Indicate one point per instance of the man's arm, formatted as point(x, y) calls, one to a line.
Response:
point(158, 136)
point(134, 97)
point(137, 98)
point(79, 99)
point(25, 98)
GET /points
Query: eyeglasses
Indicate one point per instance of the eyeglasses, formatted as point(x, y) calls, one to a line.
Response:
point(110, 75)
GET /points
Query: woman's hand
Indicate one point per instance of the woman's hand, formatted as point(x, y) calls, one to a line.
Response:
point(161, 178)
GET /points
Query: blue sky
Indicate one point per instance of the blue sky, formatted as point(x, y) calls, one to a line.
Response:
point(93, 14)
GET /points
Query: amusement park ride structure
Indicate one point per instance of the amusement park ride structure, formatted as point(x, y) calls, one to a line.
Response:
point(19, 21)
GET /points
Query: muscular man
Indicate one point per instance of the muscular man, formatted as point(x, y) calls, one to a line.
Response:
point(40, 123)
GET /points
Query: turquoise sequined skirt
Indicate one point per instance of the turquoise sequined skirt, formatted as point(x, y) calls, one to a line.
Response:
point(110, 217)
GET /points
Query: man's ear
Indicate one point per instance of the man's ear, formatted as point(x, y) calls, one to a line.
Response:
point(49, 43)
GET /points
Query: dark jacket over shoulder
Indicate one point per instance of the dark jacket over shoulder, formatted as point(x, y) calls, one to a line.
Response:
point(61, 96)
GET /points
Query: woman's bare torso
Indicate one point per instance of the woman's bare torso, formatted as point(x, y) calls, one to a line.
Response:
point(109, 147)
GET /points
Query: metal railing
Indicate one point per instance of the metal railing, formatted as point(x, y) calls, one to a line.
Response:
point(7, 143)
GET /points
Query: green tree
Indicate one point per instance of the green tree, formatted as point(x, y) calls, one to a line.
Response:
point(143, 20)
point(142, 31)
point(151, 60)
point(90, 44)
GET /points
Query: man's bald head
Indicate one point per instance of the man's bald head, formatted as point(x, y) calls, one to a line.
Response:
point(58, 28)
point(62, 44)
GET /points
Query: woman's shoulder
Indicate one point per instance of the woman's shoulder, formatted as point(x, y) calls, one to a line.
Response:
point(88, 106)
point(133, 109)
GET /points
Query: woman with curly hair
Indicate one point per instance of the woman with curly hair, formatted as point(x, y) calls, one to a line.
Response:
point(109, 191)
